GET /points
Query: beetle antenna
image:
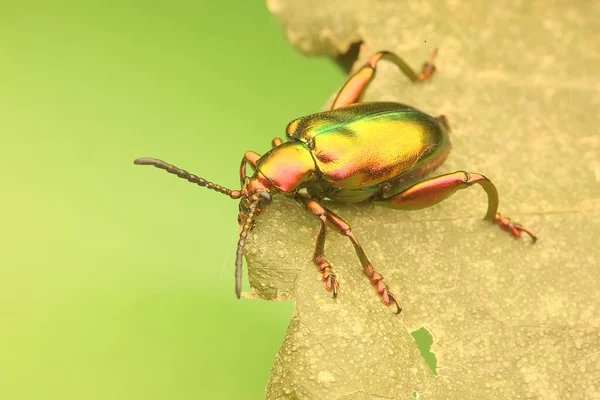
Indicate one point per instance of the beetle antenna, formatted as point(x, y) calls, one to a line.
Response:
point(240, 249)
point(234, 194)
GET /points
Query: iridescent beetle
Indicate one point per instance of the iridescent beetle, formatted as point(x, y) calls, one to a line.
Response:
point(356, 152)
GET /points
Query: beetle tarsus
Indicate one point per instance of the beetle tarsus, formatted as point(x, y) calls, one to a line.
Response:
point(329, 277)
point(428, 68)
point(382, 289)
point(514, 228)
point(327, 274)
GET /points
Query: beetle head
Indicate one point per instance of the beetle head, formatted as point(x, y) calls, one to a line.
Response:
point(255, 196)
point(256, 190)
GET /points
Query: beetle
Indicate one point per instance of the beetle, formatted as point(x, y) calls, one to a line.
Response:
point(376, 152)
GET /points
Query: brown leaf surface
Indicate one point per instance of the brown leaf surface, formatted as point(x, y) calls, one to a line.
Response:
point(518, 82)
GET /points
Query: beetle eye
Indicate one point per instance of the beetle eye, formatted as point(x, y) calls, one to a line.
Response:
point(265, 197)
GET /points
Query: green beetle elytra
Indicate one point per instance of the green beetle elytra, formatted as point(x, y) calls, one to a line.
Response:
point(378, 152)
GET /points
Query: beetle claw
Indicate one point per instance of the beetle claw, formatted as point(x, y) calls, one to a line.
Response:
point(388, 297)
point(393, 298)
point(331, 283)
point(336, 287)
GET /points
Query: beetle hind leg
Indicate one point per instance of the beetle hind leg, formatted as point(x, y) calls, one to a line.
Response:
point(435, 190)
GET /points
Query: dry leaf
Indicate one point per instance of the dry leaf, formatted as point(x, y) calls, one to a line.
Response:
point(518, 82)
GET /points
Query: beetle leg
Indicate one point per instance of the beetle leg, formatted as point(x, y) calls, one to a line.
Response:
point(325, 268)
point(319, 256)
point(434, 190)
point(251, 157)
point(356, 85)
point(376, 278)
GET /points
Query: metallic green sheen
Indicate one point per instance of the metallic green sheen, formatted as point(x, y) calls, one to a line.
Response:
point(369, 149)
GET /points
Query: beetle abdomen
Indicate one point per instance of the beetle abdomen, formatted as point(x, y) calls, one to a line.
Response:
point(369, 143)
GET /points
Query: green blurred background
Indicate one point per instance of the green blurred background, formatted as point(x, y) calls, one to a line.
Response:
point(116, 280)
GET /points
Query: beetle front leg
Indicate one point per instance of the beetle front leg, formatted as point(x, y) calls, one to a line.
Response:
point(434, 190)
point(329, 277)
point(251, 157)
point(356, 85)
